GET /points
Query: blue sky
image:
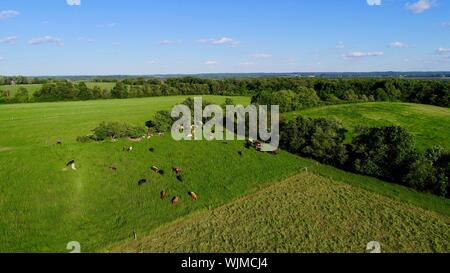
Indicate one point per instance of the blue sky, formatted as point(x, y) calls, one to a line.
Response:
point(80, 37)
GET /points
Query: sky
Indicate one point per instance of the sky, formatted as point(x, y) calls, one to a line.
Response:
point(143, 37)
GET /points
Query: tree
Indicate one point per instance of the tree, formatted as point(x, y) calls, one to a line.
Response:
point(119, 91)
point(22, 95)
point(321, 139)
point(287, 100)
point(163, 121)
point(83, 92)
point(383, 152)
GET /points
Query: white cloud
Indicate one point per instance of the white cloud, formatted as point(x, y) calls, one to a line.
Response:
point(398, 44)
point(446, 24)
point(152, 62)
point(1, 59)
point(9, 40)
point(221, 41)
point(87, 40)
point(340, 45)
point(45, 40)
point(74, 2)
point(374, 2)
point(247, 63)
point(5, 14)
point(419, 7)
point(358, 54)
point(443, 51)
point(262, 55)
point(167, 42)
point(210, 62)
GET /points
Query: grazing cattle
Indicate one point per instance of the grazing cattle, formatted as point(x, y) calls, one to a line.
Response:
point(157, 170)
point(180, 178)
point(128, 149)
point(58, 142)
point(71, 164)
point(177, 170)
point(193, 195)
point(113, 168)
point(175, 200)
point(240, 153)
point(142, 182)
point(151, 150)
point(163, 195)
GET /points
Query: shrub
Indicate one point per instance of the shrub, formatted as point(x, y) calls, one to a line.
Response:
point(163, 121)
point(116, 130)
point(84, 139)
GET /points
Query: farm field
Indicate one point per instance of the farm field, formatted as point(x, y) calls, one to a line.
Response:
point(305, 213)
point(35, 87)
point(429, 124)
point(14, 88)
point(44, 205)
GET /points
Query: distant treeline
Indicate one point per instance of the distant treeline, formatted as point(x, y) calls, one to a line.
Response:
point(290, 93)
point(22, 80)
point(387, 153)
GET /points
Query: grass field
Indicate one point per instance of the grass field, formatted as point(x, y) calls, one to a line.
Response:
point(35, 87)
point(14, 88)
point(306, 213)
point(429, 124)
point(44, 206)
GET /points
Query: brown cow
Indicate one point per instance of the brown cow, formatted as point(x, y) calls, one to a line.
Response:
point(193, 195)
point(175, 200)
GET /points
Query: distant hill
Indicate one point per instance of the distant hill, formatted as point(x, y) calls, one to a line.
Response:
point(387, 74)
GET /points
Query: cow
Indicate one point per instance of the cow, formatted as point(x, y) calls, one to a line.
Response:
point(177, 170)
point(163, 195)
point(58, 142)
point(151, 150)
point(157, 170)
point(71, 164)
point(193, 195)
point(180, 178)
point(240, 153)
point(128, 149)
point(142, 182)
point(175, 200)
point(113, 168)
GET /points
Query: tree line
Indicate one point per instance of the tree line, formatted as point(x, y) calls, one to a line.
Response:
point(290, 93)
point(388, 153)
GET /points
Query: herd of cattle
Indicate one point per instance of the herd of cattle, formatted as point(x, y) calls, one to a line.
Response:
point(176, 170)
